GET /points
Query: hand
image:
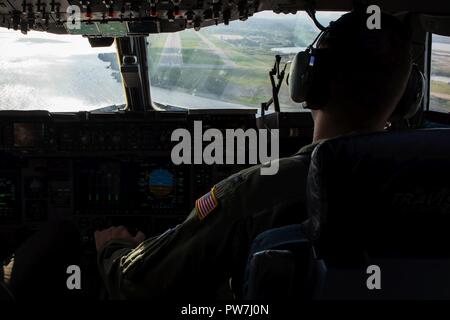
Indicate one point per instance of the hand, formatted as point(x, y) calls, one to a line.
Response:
point(116, 233)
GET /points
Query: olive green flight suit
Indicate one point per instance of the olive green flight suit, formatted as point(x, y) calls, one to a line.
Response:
point(196, 258)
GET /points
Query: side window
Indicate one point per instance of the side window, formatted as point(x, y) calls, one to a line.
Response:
point(440, 74)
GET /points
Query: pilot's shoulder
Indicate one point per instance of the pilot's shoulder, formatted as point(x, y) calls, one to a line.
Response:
point(250, 190)
point(285, 173)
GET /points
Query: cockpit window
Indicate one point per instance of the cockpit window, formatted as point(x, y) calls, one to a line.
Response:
point(42, 71)
point(228, 66)
point(440, 74)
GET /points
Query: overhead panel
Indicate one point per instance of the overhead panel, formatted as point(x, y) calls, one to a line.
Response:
point(118, 18)
point(110, 18)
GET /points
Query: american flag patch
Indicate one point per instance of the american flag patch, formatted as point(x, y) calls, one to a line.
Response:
point(206, 204)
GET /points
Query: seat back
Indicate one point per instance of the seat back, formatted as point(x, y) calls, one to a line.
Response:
point(280, 266)
point(382, 200)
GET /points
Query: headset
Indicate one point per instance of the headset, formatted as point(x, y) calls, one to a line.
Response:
point(309, 74)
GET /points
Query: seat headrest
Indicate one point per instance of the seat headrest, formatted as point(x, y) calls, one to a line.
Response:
point(382, 192)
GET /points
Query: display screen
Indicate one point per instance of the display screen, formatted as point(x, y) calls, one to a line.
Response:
point(8, 210)
point(133, 187)
point(161, 183)
point(29, 134)
point(99, 185)
point(7, 193)
point(160, 186)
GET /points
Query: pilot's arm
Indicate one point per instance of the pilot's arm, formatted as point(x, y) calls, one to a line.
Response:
point(199, 256)
point(191, 260)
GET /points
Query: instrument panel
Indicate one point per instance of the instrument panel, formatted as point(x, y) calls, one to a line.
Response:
point(102, 169)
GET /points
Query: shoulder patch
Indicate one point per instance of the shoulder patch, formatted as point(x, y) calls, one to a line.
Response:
point(206, 204)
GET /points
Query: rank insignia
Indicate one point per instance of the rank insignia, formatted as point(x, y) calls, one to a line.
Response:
point(206, 204)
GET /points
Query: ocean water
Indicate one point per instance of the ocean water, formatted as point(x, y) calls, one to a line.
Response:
point(57, 73)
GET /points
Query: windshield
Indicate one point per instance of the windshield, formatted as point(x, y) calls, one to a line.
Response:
point(42, 71)
point(440, 74)
point(227, 66)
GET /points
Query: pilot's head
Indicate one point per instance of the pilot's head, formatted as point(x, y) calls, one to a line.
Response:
point(367, 72)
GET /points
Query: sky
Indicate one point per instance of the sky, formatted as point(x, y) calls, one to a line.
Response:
point(16, 44)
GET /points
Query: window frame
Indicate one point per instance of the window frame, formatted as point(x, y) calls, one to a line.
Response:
point(429, 67)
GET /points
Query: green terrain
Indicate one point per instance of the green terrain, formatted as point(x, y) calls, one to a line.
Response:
point(231, 63)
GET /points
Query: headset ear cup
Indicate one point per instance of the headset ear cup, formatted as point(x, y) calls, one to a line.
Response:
point(299, 77)
point(308, 78)
point(411, 100)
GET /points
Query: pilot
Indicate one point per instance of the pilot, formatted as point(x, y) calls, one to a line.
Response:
point(368, 73)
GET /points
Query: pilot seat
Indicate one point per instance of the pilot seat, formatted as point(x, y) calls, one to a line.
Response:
point(378, 227)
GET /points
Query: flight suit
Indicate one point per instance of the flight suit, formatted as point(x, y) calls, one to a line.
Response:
point(196, 258)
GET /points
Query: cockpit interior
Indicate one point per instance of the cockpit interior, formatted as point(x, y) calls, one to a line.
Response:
point(91, 92)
